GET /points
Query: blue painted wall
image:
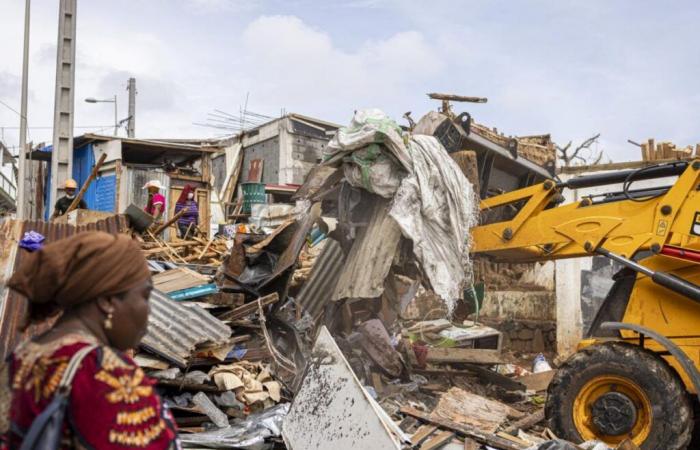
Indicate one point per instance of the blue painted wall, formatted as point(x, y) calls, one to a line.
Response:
point(102, 193)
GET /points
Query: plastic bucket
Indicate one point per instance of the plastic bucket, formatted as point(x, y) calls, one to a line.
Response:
point(252, 193)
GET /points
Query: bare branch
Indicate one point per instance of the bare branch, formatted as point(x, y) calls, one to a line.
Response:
point(568, 156)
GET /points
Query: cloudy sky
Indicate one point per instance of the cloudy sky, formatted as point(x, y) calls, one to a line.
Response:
point(626, 69)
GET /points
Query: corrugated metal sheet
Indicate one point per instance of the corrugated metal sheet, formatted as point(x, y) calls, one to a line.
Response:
point(174, 330)
point(105, 193)
point(13, 307)
point(318, 289)
point(370, 257)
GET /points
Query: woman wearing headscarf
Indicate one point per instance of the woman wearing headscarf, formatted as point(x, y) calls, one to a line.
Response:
point(187, 223)
point(99, 284)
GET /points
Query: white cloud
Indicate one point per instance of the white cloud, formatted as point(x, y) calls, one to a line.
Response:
point(295, 64)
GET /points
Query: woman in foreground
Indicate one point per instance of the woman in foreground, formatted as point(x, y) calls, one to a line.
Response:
point(100, 284)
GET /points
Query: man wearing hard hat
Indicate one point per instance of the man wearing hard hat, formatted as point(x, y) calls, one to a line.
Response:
point(63, 203)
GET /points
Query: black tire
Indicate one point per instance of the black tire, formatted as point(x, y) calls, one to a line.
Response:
point(671, 416)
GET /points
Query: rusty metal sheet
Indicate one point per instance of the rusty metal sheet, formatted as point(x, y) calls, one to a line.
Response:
point(290, 255)
point(370, 257)
point(174, 330)
point(318, 289)
point(13, 307)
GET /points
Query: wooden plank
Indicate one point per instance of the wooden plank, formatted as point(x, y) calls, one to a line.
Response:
point(464, 355)
point(249, 308)
point(475, 410)
point(645, 152)
point(172, 220)
point(485, 375)
point(438, 440)
point(526, 422)
point(652, 149)
point(422, 433)
point(463, 430)
point(513, 439)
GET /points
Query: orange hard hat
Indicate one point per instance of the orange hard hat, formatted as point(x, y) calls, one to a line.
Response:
point(70, 184)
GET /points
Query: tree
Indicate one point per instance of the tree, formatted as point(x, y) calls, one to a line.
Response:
point(581, 154)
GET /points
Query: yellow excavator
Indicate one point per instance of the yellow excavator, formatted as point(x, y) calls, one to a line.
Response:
point(637, 375)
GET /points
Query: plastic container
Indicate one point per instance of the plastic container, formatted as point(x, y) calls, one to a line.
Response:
point(540, 364)
point(252, 193)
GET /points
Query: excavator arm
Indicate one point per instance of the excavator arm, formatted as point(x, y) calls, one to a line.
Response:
point(623, 223)
point(662, 219)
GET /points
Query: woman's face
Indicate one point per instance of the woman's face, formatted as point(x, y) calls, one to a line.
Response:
point(130, 317)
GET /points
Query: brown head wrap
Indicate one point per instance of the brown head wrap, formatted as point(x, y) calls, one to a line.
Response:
point(80, 269)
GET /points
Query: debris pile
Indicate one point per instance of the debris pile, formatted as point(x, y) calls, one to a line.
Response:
point(348, 321)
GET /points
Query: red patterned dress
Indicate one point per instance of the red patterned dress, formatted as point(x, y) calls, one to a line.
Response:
point(113, 405)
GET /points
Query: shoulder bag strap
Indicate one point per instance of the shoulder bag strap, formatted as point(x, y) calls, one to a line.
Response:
point(73, 366)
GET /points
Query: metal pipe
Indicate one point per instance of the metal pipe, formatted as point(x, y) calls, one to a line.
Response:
point(667, 280)
point(646, 173)
point(625, 262)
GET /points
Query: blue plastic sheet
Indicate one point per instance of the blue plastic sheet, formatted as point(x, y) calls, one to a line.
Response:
point(32, 241)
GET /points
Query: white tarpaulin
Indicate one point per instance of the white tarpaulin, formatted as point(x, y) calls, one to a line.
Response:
point(433, 202)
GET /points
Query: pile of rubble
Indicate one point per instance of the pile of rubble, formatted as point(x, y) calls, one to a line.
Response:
point(331, 329)
point(352, 324)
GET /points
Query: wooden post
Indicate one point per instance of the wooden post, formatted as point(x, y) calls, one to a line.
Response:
point(86, 185)
point(171, 221)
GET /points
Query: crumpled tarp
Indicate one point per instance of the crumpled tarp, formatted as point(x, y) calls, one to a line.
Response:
point(433, 202)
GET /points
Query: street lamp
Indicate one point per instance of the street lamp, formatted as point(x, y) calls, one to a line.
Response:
point(113, 100)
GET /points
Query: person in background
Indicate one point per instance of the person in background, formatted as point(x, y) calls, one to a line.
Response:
point(156, 200)
point(63, 203)
point(98, 286)
point(187, 224)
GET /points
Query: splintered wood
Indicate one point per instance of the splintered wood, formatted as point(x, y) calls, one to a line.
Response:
point(195, 250)
point(464, 407)
point(652, 151)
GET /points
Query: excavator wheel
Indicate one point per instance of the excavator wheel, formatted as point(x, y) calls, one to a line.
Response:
point(614, 391)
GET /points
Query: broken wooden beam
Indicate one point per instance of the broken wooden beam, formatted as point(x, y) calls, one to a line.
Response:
point(526, 422)
point(437, 440)
point(250, 308)
point(463, 430)
point(422, 434)
point(172, 220)
point(464, 355)
point(76, 201)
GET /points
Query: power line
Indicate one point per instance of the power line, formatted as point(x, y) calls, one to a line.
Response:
point(11, 109)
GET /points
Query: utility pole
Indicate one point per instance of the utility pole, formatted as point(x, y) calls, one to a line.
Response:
point(131, 124)
point(62, 154)
point(21, 170)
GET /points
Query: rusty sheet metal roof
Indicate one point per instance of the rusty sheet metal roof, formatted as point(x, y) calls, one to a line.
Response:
point(174, 330)
point(13, 307)
point(324, 276)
